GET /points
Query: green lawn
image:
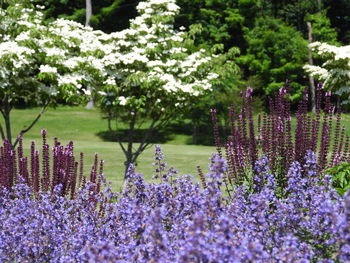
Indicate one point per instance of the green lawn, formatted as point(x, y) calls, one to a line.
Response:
point(82, 125)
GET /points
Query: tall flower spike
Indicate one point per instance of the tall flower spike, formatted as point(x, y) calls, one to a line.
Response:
point(81, 168)
point(202, 177)
point(252, 140)
point(216, 131)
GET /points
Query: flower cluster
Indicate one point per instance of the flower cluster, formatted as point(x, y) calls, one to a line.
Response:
point(335, 71)
point(33, 55)
point(66, 170)
point(181, 222)
point(147, 61)
point(71, 57)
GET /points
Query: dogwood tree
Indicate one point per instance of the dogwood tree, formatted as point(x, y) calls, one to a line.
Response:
point(32, 57)
point(335, 71)
point(145, 75)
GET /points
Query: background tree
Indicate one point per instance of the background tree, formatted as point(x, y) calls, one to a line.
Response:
point(275, 52)
point(322, 29)
point(319, 29)
point(31, 59)
point(142, 76)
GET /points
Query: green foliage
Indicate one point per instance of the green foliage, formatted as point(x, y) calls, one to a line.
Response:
point(220, 21)
point(321, 28)
point(272, 51)
point(107, 15)
point(292, 12)
point(340, 177)
point(276, 52)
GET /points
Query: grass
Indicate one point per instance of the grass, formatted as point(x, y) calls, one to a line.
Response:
point(82, 126)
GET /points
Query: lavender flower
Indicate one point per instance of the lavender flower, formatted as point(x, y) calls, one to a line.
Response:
point(180, 221)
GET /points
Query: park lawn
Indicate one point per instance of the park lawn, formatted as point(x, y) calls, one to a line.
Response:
point(82, 125)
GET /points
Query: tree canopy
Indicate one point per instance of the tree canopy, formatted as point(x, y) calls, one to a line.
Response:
point(237, 23)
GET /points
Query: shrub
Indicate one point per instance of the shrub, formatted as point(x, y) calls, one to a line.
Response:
point(45, 173)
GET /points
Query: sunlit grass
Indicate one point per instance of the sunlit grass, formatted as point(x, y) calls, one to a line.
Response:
point(82, 125)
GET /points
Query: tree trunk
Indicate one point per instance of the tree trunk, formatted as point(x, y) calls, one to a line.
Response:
point(129, 151)
point(88, 12)
point(127, 164)
point(194, 133)
point(311, 78)
point(5, 111)
point(88, 15)
point(8, 126)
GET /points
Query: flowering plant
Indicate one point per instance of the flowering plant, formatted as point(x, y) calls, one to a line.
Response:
point(148, 72)
point(66, 170)
point(178, 221)
point(272, 135)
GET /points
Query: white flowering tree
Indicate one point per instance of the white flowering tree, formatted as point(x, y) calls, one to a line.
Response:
point(335, 71)
point(142, 76)
point(149, 71)
point(32, 57)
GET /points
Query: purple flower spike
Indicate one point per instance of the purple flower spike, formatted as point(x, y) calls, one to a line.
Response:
point(43, 132)
point(249, 92)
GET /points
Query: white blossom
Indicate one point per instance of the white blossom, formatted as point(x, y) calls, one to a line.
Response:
point(110, 81)
point(47, 69)
point(122, 100)
point(335, 71)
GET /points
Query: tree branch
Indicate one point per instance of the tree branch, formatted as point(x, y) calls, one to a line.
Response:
point(43, 109)
point(121, 145)
point(144, 144)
